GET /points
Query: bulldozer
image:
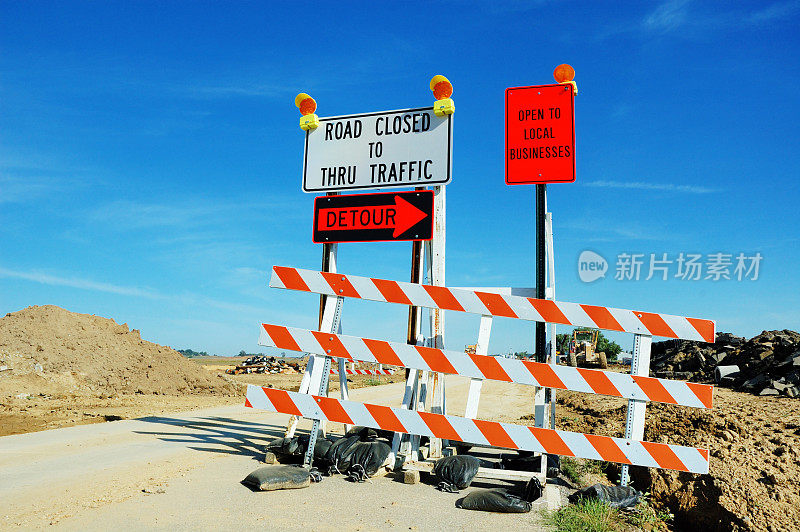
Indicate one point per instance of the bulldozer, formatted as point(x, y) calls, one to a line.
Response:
point(583, 349)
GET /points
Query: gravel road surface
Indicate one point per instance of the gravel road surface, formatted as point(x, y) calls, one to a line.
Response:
point(182, 472)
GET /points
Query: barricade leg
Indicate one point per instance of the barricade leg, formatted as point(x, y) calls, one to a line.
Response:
point(402, 446)
point(304, 387)
point(634, 424)
point(475, 385)
point(344, 392)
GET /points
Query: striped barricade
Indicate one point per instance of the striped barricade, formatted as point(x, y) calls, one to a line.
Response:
point(495, 434)
point(486, 304)
point(637, 388)
point(488, 367)
point(363, 371)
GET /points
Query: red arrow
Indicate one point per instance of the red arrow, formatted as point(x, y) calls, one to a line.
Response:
point(401, 216)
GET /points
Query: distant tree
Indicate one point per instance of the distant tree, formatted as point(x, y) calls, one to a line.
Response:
point(190, 353)
point(611, 348)
point(242, 353)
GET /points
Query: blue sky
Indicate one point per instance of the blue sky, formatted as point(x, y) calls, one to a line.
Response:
point(150, 157)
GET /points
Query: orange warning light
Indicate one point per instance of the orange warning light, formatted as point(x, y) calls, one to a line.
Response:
point(564, 73)
point(305, 103)
point(441, 87)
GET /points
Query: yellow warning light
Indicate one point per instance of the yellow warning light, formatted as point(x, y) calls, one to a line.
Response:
point(307, 106)
point(564, 73)
point(442, 90)
point(441, 87)
point(305, 103)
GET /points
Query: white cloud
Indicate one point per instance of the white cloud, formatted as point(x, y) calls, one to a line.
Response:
point(131, 215)
point(19, 190)
point(186, 299)
point(774, 12)
point(83, 284)
point(667, 16)
point(662, 187)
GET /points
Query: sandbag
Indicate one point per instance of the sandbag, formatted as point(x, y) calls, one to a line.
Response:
point(321, 448)
point(366, 458)
point(495, 501)
point(524, 461)
point(337, 459)
point(364, 433)
point(370, 434)
point(533, 490)
point(614, 496)
point(456, 472)
point(285, 447)
point(277, 477)
point(292, 450)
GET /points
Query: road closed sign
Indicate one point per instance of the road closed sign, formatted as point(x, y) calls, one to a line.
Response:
point(540, 134)
point(406, 148)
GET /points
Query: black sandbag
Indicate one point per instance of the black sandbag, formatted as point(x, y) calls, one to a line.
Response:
point(278, 477)
point(321, 448)
point(337, 459)
point(614, 496)
point(533, 490)
point(370, 434)
point(285, 447)
point(364, 433)
point(292, 450)
point(495, 501)
point(367, 457)
point(530, 462)
point(456, 472)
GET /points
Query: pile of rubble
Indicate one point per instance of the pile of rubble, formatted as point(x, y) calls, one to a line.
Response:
point(767, 364)
point(265, 364)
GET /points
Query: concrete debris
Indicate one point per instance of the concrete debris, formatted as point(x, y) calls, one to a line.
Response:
point(265, 364)
point(767, 364)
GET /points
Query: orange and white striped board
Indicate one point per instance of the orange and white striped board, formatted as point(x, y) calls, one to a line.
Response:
point(488, 367)
point(505, 435)
point(488, 304)
point(364, 372)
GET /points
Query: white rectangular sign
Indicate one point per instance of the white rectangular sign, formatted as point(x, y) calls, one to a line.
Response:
point(405, 148)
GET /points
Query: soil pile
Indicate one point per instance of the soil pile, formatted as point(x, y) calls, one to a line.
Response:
point(754, 442)
point(768, 364)
point(49, 350)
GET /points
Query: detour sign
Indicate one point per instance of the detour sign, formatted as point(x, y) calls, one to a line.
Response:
point(383, 216)
point(540, 134)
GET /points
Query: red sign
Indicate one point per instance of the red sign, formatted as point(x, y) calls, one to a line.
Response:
point(374, 217)
point(540, 134)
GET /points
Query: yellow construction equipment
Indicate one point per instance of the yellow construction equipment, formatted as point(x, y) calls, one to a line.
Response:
point(583, 349)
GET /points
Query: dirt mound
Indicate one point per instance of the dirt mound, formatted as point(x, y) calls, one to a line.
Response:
point(754, 478)
point(768, 364)
point(49, 350)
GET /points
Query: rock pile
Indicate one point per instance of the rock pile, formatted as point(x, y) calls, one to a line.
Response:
point(767, 364)
point(264, 364)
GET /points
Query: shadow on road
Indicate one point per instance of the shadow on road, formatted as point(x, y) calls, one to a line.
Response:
point(217, 434)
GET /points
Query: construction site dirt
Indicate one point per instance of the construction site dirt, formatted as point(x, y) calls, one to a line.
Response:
point(146, 444)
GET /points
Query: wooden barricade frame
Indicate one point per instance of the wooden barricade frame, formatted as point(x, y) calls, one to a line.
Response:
point(637, 387)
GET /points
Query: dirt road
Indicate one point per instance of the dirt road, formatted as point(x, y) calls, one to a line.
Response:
point(183, 471)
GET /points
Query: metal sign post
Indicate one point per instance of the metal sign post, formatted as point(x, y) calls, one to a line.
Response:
point(540, 149)
point(541, 209)
point(410, 147)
